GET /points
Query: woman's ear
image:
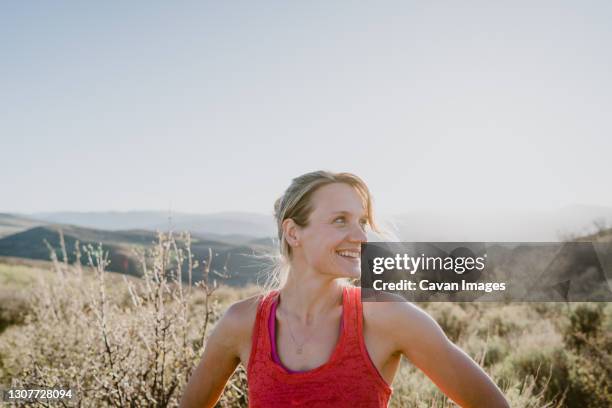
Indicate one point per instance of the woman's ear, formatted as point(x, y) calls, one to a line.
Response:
point(290, 231)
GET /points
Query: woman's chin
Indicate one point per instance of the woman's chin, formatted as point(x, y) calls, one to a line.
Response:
point(351, 273)
point(345, 269)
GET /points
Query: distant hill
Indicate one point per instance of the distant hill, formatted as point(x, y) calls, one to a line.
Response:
point(239, 239)
point(12, 223)
point(500, 225)
point(243, 262)
point(241, 228)
point(236, 224)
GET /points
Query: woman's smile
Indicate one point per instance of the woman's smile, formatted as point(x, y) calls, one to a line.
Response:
point(352, 256)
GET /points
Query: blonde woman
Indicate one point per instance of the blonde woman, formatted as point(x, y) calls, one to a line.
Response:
point(312, 342)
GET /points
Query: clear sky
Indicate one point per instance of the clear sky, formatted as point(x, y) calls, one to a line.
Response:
point(215, 106)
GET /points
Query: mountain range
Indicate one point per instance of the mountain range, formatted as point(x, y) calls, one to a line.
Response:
point(240, 241)
point(240, 224)
point(238, 260)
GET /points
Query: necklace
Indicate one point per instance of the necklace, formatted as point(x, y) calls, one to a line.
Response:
point(300, 347)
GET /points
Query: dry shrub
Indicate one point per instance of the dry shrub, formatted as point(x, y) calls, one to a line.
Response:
point(412, 389)
point(492, 334)
point(489, 350)
point(502, 320)
point(13, 308)
point(585, 324)
point(451, 317)
point(139, 353)
point(547, 366)
point(524, 394)
point(589, 343)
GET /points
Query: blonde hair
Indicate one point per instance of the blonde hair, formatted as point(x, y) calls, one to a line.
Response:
point(296, 203)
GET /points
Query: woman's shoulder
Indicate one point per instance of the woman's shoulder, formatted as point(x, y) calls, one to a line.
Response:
point(386, 307)
point(395, 317)
point(240, 316)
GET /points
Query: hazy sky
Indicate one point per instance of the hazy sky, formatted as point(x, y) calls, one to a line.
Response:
point(215, 106)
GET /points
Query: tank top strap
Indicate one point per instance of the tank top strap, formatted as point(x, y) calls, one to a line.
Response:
point(352, 318)
point(260, 344)
point(358, 306)
point(355, 345)
point(359, 320)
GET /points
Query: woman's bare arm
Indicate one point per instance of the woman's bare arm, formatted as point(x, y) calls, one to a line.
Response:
point(221, 356)
point(424, 343)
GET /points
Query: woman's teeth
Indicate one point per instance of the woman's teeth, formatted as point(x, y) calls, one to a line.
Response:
point(349, 254)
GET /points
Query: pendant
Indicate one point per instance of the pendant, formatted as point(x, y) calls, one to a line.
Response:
point(299, 350)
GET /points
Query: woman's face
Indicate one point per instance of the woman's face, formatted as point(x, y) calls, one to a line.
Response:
point(331, 242)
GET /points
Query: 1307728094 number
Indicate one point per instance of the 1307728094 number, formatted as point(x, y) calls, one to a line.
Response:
point(33, 394)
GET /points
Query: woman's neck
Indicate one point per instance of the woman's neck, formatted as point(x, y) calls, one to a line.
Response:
point(307, 298)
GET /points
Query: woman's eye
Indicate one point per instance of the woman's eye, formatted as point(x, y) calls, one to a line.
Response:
point(364, 223)
point(339, 220)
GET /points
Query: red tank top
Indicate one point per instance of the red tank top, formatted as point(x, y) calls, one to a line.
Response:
point(348, 379)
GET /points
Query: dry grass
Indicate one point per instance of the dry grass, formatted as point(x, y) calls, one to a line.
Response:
point(134, 342)
point(130, 345)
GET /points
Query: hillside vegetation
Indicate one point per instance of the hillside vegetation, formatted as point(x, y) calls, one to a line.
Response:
point(121, 341)
point(245, 260)
point(12, 224)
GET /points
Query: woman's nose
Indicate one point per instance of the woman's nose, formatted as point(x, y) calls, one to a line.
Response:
point(358, 234)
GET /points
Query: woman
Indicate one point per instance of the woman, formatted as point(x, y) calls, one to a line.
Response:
point(312, 342)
